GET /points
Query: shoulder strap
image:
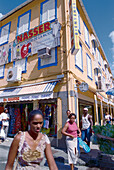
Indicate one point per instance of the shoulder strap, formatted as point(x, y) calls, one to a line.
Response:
point(19, 151)
point(22, 142)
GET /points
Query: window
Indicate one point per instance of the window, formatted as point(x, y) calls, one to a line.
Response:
point(21, 63)
point(24, 22)
point(49, 61)
point(99, 56)
point(79, 59)
point(104, 86)
point(2, 69)
point(89, 67)
point(4, 33)
point(86, 32)
point(78, 21)
point(93, 48)
point(48, 11)
point(102, 61)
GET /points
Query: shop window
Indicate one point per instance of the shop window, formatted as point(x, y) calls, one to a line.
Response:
point(2, 69)
point(89, 67)
point(18, 117)
point(48, 11)
point(24, 22)
point(79, 59)
point(49, 61)
point(4, 33)
point(49, 111)
point(21, 63)
point(86, 34)
point(78, 21)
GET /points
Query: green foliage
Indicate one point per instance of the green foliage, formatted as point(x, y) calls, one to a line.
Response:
point(106, 145)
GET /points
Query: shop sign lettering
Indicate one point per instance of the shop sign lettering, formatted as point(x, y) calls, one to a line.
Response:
point(11, 99)
point(34, 32)
point(100, 97)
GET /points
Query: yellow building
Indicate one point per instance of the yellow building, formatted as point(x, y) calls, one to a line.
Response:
point(51, 59)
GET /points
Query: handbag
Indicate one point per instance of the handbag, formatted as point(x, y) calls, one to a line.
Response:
point(19, 151)
point(2, 134)
point(84, 145)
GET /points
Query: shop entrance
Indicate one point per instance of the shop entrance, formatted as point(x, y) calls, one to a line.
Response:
point(18, 117)
point(49, 110)
point(90, 107)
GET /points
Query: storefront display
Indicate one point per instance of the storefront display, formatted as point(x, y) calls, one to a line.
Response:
point(18, 117)
point(49, 110)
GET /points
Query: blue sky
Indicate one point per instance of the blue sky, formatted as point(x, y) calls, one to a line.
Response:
point(101, 14)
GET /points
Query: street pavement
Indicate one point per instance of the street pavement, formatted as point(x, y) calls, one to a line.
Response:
point(86, 161)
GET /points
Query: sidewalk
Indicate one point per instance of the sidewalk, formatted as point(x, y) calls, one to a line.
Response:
point(86, 161)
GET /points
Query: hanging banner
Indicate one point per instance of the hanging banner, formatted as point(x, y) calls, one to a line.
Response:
point(5, 54)
point(45, 35)
point(28, 43)
point(74, 27)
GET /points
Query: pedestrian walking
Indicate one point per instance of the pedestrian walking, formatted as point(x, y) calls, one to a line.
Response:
point(5, 120)
point(29, 146)
point(70, 131)
point(86, 124)
point(108, 118)
point(1, 126)
point(68, 112)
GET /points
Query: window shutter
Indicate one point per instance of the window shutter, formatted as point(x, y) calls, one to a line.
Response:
point(86, 34)
point(23, 24)
point(1, 71)
point(45, 13)
point(48, 11)
point(78, 58)
point(89, 67)
point(21, 63)
point(51, 10)
point(4, 34)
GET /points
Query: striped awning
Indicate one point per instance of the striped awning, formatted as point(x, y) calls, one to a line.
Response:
point(28, 92)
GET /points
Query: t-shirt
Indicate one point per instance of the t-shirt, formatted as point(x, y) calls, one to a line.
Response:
point(0, 118)
point(72, 129)
point(5, 116)
point(108, 117)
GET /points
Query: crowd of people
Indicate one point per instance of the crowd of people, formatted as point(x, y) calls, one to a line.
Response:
point(29, 147)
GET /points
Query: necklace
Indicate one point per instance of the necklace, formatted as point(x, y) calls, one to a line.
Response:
point(36, 141)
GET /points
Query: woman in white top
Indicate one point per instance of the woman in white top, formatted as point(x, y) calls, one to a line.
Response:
point(29, 147)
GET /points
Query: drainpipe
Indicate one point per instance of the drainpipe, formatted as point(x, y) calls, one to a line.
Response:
point(76, 104)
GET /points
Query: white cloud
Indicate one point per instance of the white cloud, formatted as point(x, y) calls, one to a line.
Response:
point(1, 15)
point(112, 68)
point(111, 35)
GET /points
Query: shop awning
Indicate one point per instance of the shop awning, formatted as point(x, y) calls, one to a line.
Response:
point(110, 92)
point(29, 92)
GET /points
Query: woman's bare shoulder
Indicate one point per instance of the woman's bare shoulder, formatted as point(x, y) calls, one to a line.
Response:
point(18, 136)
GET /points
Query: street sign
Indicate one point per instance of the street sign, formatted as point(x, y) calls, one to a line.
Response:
point(83, 87)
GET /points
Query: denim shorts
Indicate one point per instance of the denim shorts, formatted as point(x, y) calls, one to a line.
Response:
point(86, 134)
